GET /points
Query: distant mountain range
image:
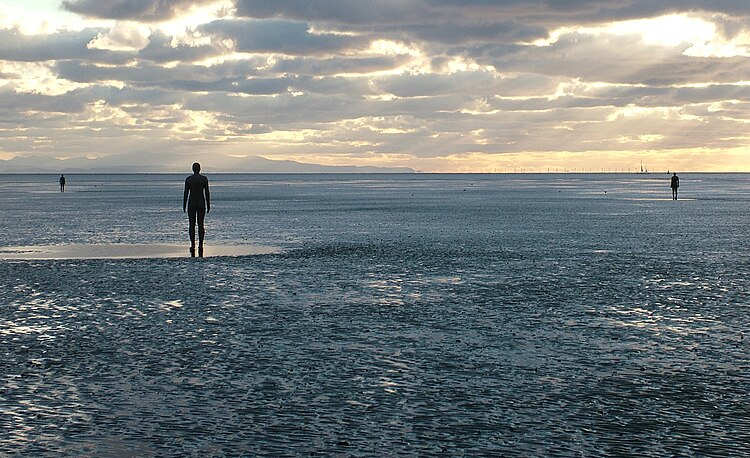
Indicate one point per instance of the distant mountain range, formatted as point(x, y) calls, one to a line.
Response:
point(173, 163)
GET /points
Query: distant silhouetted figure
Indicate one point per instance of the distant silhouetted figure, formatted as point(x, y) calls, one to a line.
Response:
point(62, 183)
point(674, 185)
point(196, 185)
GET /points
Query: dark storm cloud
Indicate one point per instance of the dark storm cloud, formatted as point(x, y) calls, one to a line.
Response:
point(287, 37)
point(140, 10)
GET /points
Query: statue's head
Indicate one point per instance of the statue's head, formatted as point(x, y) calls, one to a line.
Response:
point(196, 167)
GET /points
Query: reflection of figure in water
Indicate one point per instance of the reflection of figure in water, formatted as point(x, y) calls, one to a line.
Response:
point(62, 183)
point(197, 206)
point(674, 185)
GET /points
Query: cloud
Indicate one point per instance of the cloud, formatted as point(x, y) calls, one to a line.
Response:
point(233, 77)
point(477, 83)
point(162, 48)
point(339, 65)
point(420, 78)
point(623, 59)
point(347, 12)
point(121, 37)
point(502, 32)
point(15, 46)
point(151, 74)
point(17, 103)
point(286, 37)
point(397, 18)
point(232, 74)
point(549, 13)
point(142, 10)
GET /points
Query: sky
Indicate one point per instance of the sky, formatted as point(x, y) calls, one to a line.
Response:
point(436, 85)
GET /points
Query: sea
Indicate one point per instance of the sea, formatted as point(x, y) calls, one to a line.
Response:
point(377, 315)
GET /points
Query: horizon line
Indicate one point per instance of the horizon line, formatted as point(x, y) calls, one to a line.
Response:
point(416, 172)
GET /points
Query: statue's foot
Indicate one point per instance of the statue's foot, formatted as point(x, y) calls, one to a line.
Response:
point(200, 251)
point(192, 251)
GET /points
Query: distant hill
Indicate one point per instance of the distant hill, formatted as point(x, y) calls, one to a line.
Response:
point(169, 163)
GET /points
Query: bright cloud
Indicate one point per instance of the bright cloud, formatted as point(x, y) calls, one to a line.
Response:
point(123, 36)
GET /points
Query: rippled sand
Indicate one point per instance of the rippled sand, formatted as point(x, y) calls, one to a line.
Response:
point(518, 317)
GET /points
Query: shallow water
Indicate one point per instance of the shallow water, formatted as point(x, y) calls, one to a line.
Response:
point(420, 314)
point(125, 251)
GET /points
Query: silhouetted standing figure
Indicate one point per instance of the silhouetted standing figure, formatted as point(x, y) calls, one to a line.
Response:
point(62, 183)
point(196, 186)
point(674, 185)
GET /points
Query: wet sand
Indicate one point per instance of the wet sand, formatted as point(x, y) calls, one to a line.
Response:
point(125, 251)
point(426, 315)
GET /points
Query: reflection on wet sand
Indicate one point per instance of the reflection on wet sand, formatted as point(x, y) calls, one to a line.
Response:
point(125, 251)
